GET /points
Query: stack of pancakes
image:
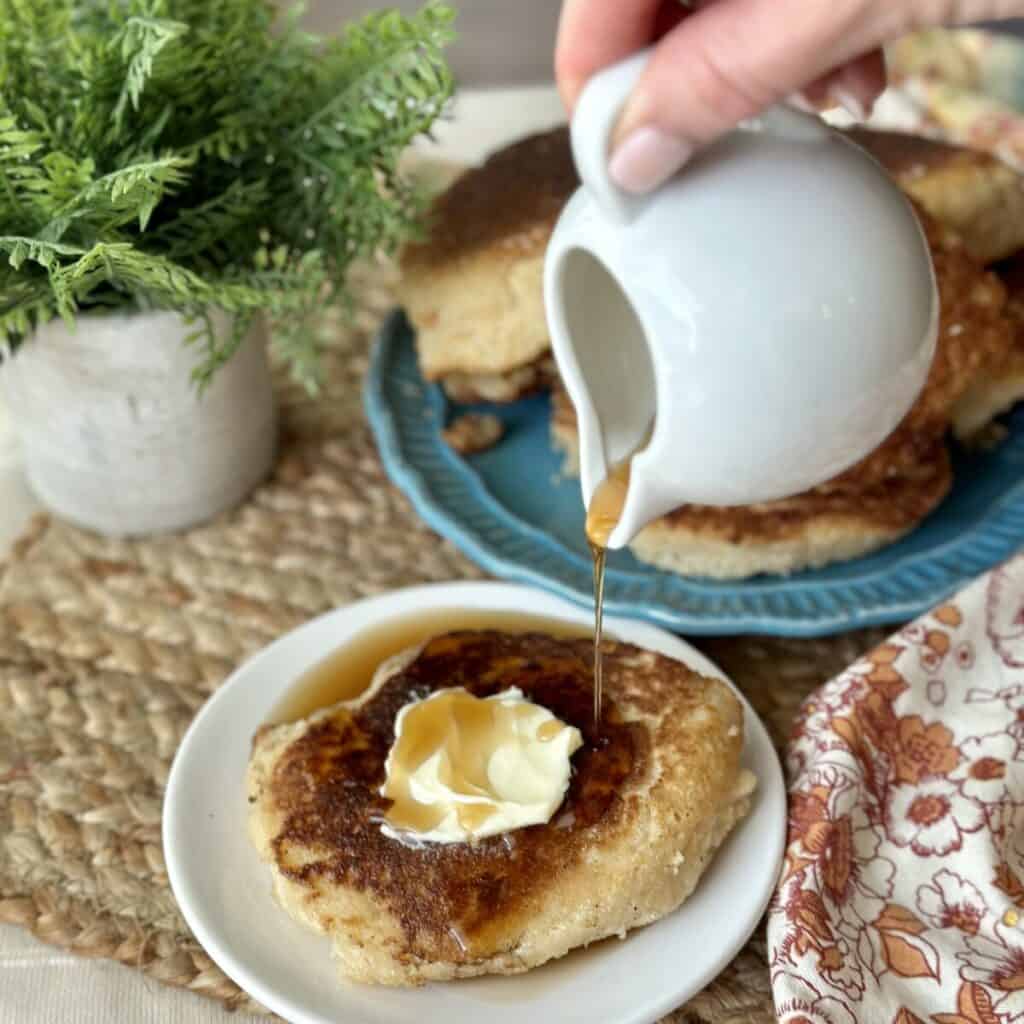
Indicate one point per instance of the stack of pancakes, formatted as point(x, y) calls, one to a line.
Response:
point(473, 292)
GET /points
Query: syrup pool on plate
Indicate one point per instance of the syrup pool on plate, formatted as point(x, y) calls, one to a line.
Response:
point(348, 671)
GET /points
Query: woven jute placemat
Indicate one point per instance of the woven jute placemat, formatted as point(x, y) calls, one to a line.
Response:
point(109, 647)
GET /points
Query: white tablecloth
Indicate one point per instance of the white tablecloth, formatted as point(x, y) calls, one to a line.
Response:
point(43, 985)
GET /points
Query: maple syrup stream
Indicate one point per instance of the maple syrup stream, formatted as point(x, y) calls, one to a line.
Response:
point(603, 515)
point(347, 672)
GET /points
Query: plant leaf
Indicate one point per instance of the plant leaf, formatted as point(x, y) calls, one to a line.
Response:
point(139, 43)
point(192, 154)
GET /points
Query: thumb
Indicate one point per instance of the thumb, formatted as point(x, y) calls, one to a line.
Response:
point(730, 60)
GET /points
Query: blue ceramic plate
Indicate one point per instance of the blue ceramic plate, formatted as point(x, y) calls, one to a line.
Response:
point(511, 512)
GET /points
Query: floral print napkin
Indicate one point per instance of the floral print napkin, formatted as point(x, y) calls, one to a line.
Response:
point(902, 896)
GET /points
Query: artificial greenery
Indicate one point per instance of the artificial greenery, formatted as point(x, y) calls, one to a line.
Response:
point(193, 154)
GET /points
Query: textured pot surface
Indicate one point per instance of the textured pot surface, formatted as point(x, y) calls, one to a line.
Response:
point(116, 436)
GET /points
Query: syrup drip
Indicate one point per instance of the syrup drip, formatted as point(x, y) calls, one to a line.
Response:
point(549, 730)
point(603, 516)
point(600, 554)
point(606, 504)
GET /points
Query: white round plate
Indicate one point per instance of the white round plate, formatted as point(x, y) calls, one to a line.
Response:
point(224, 890)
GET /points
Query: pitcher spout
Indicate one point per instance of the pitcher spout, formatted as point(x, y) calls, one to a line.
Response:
point(647, 496)
point(601, 350)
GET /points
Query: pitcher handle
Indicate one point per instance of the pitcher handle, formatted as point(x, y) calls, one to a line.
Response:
point(598, 111)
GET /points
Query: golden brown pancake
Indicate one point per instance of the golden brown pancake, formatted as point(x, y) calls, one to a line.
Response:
point(974, 193)
point(473, 290)
point(837, 521)
point(999, 383)
point(649, 801)
point(804, 532)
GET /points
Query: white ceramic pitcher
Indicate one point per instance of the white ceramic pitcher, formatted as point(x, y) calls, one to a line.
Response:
point(771, 311)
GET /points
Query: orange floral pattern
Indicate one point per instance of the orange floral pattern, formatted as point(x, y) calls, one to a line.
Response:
point(902, 896)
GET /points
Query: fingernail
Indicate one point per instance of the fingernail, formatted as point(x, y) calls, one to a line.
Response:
point(849, 101)
point(646, 158)
point(808, 103)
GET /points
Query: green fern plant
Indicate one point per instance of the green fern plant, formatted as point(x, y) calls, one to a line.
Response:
point(199, 154)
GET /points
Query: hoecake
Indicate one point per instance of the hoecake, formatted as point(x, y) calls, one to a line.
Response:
point(806, 532)
point(650, 800)
point(829, 524)
point(999, 384)
point(473, 290)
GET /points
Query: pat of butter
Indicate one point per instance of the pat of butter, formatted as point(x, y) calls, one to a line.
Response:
point(464, 768)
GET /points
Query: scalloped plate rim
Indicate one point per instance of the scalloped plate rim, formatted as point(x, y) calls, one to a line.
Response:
point(418, 488)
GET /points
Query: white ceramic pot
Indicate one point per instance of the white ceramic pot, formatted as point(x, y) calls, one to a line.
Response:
point(116, 437)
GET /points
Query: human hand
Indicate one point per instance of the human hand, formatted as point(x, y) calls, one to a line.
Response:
point(717, 62)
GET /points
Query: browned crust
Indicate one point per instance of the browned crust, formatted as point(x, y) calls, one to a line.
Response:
point(1011, 273)
point(973, 330)
point(891, 508)
point(509, 204)
point(506, 208)
point(1000, 383)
